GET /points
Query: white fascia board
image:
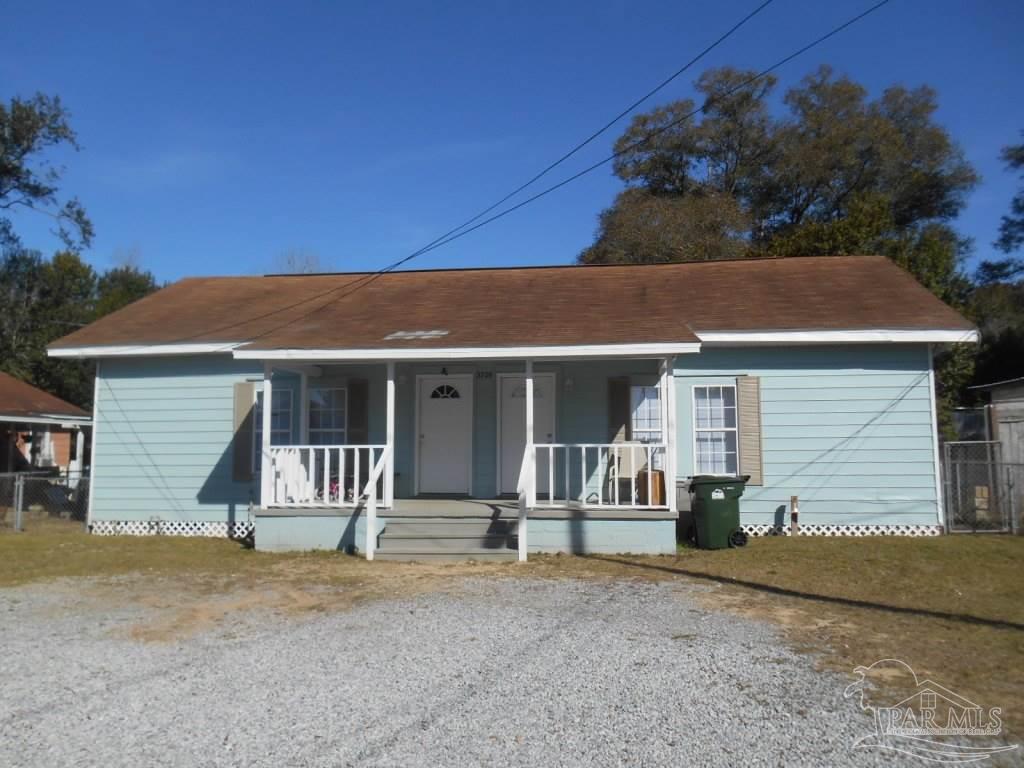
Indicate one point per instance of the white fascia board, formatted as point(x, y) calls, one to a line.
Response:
point(475, 353)
point(879, 336)
point(144, 350)
point(69, 422)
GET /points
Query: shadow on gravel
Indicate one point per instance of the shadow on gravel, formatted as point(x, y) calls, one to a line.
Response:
point(965, 618)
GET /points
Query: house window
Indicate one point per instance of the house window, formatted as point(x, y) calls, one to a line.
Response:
point(714, 425)
point(928, 700)
point(328, 416)
point(280, 422)
point(645, 404)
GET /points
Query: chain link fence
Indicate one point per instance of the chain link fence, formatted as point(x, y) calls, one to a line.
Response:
point(984, 494)
point(37, 500)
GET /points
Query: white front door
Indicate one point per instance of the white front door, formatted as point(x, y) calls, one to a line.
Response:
point(512, 417)
point(445, 452)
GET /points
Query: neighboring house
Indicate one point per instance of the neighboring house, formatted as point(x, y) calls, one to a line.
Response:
point(305, 406)
point(40, 431)
point(1005, 417)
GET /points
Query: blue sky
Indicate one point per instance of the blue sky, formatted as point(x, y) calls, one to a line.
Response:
point(217, 136)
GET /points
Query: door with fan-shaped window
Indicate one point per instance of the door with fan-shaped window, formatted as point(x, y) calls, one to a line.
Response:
point(444, 451)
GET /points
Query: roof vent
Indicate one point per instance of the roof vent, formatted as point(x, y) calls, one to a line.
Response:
point(398, 335)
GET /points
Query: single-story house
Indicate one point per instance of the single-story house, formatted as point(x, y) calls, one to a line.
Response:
point(512, 410)
point(40, 431)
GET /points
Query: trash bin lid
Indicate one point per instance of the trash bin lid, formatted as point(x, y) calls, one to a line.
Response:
point(718, 479)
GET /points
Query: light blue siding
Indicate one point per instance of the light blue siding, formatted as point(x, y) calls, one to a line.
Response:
point(846, 429)
point(650, 537)
point(299, 533)
point(163, 440)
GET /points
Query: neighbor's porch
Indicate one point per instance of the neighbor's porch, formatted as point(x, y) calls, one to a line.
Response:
point(591, 439)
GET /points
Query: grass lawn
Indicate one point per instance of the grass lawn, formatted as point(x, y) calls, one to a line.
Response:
point(952, 607)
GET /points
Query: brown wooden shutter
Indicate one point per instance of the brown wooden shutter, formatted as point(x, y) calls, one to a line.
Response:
point(748, 395)
point(358, 411)
point(620, 425)
point(241, 445)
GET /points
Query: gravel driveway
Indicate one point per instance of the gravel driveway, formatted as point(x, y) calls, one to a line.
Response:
point(497, 672)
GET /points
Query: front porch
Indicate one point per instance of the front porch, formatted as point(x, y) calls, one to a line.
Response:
point(554, 453)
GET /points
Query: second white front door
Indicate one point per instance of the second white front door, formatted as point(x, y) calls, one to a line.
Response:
point(512, 415)
point(445, 451)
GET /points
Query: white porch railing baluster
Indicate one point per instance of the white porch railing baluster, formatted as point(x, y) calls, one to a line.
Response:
point(297, 472)
point(633, 477)
point(616, 464)
point(551, 473)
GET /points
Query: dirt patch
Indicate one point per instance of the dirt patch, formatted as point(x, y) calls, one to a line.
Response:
point(176, 609)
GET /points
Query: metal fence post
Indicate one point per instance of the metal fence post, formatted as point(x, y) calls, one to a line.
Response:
point(19, 501)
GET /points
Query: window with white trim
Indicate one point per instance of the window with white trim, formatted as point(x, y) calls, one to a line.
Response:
point(715, 432)
point(280, 422)
point(645, 407)
point(328, 416)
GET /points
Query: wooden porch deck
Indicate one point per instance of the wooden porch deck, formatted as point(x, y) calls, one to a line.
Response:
point(456, 508)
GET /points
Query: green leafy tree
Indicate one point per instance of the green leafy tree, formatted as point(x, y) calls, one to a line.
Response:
point(20, 288)
point(46, 299)
point(120, 286)
point(1011, 229)
point(836, 173)
point(643, 228)
point(28, 181)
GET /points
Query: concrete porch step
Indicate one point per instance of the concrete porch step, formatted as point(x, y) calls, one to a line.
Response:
point(453, 527)
point(469, 553)
point(445, 542)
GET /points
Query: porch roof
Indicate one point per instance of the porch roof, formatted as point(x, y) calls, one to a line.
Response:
point(508, 308)
point(22, 403)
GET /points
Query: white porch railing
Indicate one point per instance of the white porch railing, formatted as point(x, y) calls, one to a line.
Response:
point(605, 475)
point(325, 475)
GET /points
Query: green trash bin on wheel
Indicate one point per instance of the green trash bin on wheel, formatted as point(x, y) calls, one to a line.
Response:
point(716, 510)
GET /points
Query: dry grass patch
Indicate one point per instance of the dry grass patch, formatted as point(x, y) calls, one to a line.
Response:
point(951, 607)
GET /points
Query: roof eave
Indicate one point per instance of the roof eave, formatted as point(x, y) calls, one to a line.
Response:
point(861, 336)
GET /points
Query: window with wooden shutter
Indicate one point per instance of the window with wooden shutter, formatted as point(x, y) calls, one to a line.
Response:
point(358, 432)
point(619, 415)
point(748, 391)
point(242, 444)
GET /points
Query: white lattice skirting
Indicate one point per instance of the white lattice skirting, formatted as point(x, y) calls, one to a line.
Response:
point(172, 528)
point(764, 529)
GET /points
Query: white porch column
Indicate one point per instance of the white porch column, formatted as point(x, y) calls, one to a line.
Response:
point(529, 433)
point(668, 406)
point(389, 469)
point(304, 407)
point(527, 495)
point(266, 469)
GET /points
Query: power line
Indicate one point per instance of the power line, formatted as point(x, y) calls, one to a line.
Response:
point(721, 39)
point(639, 142)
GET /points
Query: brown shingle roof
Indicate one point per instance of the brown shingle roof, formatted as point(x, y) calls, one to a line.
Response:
point(529, 306)
point(20, 399)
